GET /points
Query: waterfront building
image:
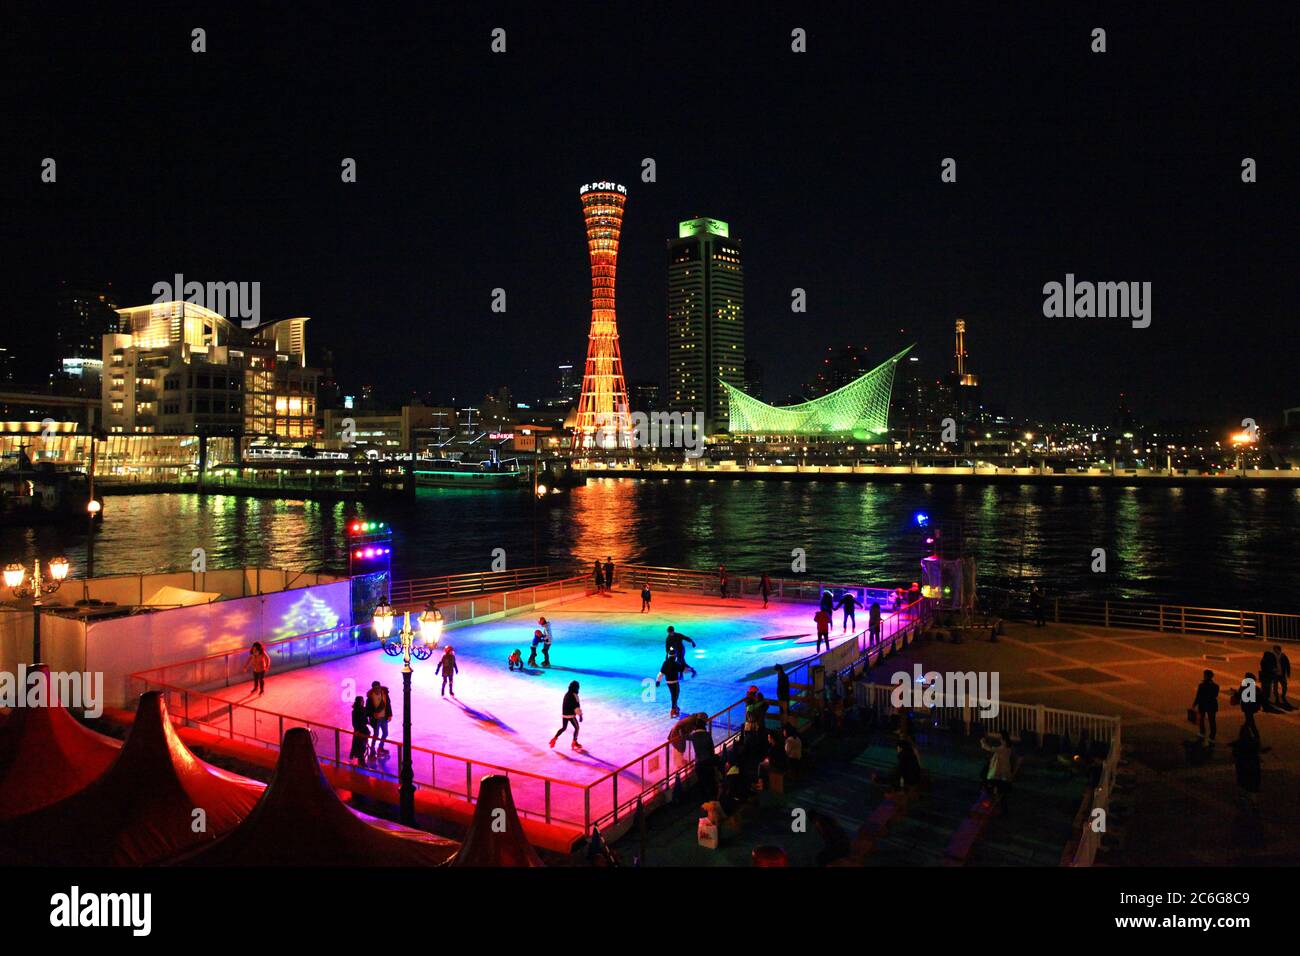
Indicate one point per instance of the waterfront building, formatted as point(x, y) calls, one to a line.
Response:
point(706, 321)
point(180, 368)
point(411, 427)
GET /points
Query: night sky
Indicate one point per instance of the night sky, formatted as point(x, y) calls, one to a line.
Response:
point(1122, 166)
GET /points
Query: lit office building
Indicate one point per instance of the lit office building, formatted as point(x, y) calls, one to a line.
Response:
point(706, 320)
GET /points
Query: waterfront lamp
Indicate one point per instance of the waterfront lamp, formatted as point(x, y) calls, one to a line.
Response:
point(383, 621)
point(59, 568)
point(431, 622)
point(14, 574)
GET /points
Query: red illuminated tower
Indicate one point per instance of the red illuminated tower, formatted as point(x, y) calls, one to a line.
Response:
point(603, 420)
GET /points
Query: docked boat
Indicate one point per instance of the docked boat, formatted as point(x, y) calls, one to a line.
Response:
point(44, 493)
point(448, 473)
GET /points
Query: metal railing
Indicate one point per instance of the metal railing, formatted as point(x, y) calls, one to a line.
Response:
point(315, 647)
point(1178, 618)
point(744, 585)
point(658, 769)
point(420, 590)
point(1014, 719)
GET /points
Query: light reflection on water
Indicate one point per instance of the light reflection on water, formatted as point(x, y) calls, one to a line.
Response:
point(1203, 546)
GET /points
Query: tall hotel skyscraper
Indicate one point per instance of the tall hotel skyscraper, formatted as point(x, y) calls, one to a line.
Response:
point(604, 419)
point(706, 320)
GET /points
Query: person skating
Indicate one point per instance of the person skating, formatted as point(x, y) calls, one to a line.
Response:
point(722, 580)
point(645, 598)
point(850, 603)
point(1206, 705)
point(546, 641)
point(827, 602)
point(674, 645)
point(671, 671)
point(260, 662)
point(609, 573)
point(516, 660)
point(873, 622)
point(538, 637)
point(447, 667)
point(598, 574)
point(570, 713)
point(765, 587)
point(823, 620)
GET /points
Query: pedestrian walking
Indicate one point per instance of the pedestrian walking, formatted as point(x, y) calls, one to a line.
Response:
point(1036, 604)
point(999, 771)
point(447, 667)
point(783, 692)
point(1267, 678)
point(1283, 676)
point(260, 662)
point(571, 714)
point(1247, 698)
point(1206, 706)
point(849, 603)
point(823, 620)
point(675, 646)
point(645, 598)
point(671, 671)
point(765, 587)
point(360, 731)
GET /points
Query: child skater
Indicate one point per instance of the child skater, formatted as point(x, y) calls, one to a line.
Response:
point(645, 598)
point(516, 660)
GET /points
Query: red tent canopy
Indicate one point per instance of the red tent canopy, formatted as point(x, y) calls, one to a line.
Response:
point(45, 756)
point(144, 809)
point(489, 845)
point(300, 821)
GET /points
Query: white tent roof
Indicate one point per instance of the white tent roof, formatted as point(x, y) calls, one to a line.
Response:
point(169, 596)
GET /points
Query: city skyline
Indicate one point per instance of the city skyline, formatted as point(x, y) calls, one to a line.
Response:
point(874, 237)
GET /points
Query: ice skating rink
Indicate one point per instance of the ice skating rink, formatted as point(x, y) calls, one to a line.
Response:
point(602, 641)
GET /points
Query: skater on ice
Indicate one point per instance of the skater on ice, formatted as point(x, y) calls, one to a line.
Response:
point(516, 660)
point(674, 646)
point(570, 713)
point(645, 598)
point(671, 671)
point(823, 620)
point(447, 667)
point(850, 604)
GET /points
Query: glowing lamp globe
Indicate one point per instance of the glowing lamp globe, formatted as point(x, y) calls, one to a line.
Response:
point(383, 621)
point(431, 624)
point(59, 568)
point(93, 507)
point(14, 574)
point(541, 490)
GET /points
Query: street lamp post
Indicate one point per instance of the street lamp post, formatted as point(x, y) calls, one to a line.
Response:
point(418, 642)
point(15, 578)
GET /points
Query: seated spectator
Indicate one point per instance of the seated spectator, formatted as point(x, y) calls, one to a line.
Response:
point(908, 771)
point(835, 842)
point(735, 790)
point(774, 760)
point(793, 748)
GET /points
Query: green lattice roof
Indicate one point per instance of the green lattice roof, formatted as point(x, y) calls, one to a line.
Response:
point(860, 408)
